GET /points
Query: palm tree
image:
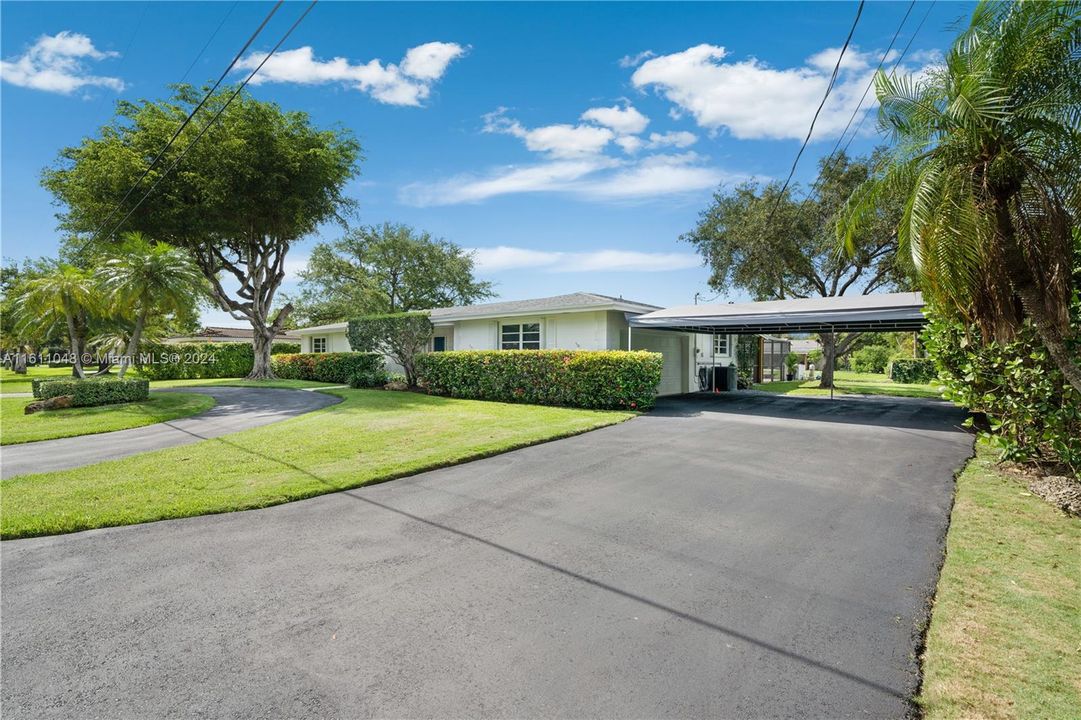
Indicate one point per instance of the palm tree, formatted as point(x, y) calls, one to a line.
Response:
point(149, 278)
point(988, 155)
point(61, 293)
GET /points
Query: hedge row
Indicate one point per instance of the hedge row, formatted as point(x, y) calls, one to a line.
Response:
point(94, 391)
point(912, 370)
point(578, 378)
point(199, 361)
point(363, 369)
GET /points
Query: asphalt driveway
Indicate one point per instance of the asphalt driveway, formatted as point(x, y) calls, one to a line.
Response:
point(236, 409)
point(744, 557)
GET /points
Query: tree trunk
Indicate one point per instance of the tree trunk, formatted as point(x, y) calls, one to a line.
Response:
point(1032, 300)
point(829, 355)
point(1051, 336)
point(19, 364)
point(77, 352)
point(133, 344)
point(262, 340)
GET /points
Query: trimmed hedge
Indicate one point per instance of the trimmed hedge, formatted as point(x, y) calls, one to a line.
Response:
point(602, 379)
point(199, 361)
point(912, 370)
point(340, 367)
point(95, 391)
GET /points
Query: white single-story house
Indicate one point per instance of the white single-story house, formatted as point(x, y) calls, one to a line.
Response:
point(577, 321)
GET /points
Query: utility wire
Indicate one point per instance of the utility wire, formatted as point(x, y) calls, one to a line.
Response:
point(810, 130)
point(882, 60)
point(209, 40)
point(218, 114)
point(893, 69)
point(183, 125)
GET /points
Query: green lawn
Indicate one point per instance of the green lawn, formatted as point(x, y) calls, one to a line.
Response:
point(1005, 634)
point(853, 383)
point(10, 382)
point(372, 435)
point(15, 427)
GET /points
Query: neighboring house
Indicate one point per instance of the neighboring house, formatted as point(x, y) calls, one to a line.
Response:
point(578, 321)
point(804, 347)
point(228, 334)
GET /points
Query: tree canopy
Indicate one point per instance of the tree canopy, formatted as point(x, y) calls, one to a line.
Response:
point(385, 268)
point(987, 163)
point(775, 247)
point(259, 180)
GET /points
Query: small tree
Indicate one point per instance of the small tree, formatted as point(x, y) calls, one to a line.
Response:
point(62, 294)
point(386, 268)
point(148, 278)
point(400, 336)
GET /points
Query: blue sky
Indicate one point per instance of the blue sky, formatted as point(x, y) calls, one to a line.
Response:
point(569, 143)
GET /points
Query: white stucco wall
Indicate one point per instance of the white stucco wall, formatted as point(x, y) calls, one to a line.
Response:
point(336, 341)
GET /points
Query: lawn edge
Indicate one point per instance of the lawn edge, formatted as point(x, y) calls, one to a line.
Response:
point(922, 620)
point(472, 457)
point(208, 408)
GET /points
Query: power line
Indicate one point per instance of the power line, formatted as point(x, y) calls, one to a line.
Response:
point(817, 183)
point(183, 125)
point(894, 68)
point(209, 40)
point(810, 130)
point(218, 114)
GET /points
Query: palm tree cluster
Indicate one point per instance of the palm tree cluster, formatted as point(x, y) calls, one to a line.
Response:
point(141, 283)
point(987, 153)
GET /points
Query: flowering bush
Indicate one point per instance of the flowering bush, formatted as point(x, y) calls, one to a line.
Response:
point(574, 378)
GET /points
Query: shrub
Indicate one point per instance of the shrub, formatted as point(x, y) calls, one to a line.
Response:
point(871, 359)
point(199, 361)
point(912, 370)
point(95, 391)
point(329, 367)
point(1033, 413)
point(399, 336)
point(573, 378)
point(369, 378)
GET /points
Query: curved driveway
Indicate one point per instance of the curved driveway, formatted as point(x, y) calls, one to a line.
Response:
point(237, 408)
point(729, 557)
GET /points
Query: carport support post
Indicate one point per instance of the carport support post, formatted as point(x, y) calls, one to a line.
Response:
point(629, 328)
point(833, 375)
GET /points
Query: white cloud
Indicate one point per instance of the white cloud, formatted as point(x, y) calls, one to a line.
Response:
point(629, 61)
point(502, 257)
point(551, 176)
point(557, 141)
point(674, 138)
point(407, 84)
point(753, 100)
point(656, 175)
point(623, 120)
point(429, 61)
point(593, 178)
point(57, 63)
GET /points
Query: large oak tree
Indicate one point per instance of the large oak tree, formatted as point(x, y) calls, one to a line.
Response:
point(259, 180)
point(775, 247)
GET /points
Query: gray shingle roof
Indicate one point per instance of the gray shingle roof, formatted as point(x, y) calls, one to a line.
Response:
point(571, 301)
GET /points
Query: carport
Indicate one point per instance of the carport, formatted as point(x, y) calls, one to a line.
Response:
point(887, 312)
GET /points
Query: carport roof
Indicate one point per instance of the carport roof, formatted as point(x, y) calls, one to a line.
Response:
point(881, 313)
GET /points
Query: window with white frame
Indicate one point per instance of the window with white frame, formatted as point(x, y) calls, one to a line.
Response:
point(720, 344)
point(319, 344)
point(520, 336)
